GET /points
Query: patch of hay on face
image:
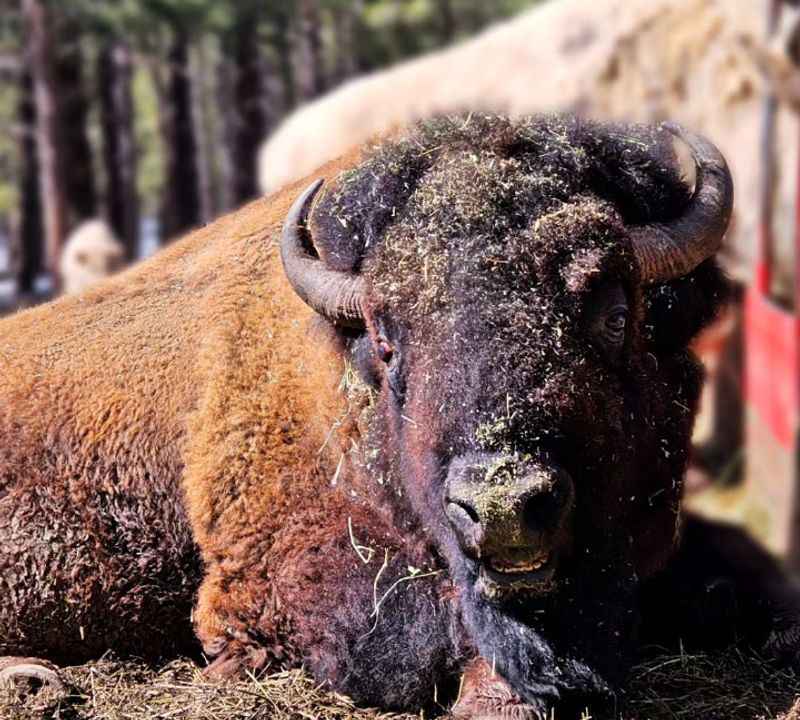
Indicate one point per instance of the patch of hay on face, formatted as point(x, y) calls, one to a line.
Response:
point(459, 187)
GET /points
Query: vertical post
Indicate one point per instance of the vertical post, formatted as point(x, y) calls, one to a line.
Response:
point(763, 277)
point(793, 555)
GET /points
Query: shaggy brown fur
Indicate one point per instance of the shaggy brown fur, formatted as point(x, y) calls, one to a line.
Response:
point(162, 430)
point(179, 378)
point(192, 427)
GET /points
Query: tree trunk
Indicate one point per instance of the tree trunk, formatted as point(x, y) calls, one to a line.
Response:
point(281, 22)
point(309, 70)
point(204, 136)
point(447, 21)
point(249, 119)
point(119, 145)
point(346, 19)
point(404, 41)
point(181, 206)
point(72, 108)
point(40, 44)
point(226, 128)
point(474, 16)
point(30, 231)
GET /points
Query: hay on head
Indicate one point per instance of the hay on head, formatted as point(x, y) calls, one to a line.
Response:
point(480, 226)
point(484, 178)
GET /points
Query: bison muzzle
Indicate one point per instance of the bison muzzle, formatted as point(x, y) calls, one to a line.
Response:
point(510, 517)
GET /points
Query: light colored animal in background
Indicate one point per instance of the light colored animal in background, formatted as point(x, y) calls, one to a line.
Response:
point(699, 62)
point(91, 253)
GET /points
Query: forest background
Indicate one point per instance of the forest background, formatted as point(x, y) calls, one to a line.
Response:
point(149, 113)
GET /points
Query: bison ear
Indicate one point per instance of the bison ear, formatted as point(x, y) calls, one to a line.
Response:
point(677, 310)
point(362, 357)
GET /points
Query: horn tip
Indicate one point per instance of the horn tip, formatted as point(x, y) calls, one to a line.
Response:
point(310, 192)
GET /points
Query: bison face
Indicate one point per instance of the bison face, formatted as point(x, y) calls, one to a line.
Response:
point(520, 296)
point(510, 495)
point(505, 383)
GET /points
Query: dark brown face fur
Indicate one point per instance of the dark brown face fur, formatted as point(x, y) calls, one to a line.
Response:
point(535, 401)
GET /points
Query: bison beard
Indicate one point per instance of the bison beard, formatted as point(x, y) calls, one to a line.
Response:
point(469, 359)
point(564, 657)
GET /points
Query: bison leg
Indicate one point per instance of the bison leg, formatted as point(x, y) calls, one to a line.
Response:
point(16, 669)
point(85, 574)
point(379, 626)
point(722, 587)
point(484, 695)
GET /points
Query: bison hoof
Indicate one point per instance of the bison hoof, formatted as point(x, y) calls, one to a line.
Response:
point(31, 671)
point(237, 662)
point(486, 696)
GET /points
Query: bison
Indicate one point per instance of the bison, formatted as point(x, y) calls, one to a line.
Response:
point(422, 430)
point(91, 254)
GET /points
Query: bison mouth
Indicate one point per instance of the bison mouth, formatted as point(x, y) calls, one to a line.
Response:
point(529, 574)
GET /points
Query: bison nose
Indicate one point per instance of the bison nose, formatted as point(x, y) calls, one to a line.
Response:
point(500, 504)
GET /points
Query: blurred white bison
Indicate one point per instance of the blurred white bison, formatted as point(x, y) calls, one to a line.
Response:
point(700, 62)
point(91, 253)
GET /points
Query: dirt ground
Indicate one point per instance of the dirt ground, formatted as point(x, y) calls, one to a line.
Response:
point(728, 686)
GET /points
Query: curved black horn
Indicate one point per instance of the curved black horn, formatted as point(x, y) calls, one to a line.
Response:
point(336, 295)
point(670, 250)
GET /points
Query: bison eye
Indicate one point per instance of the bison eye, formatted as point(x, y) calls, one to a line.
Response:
point(391, 356)
point(608, 318)
point(385, 350)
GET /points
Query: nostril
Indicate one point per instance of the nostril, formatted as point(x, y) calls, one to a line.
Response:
point(466, 524)
point(542, 510)
point(463, 508)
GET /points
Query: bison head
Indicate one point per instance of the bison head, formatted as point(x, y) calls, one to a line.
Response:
point(519, 295)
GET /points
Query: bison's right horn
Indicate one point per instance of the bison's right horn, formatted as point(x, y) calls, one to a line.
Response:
point(336, 295)
point(671, 250)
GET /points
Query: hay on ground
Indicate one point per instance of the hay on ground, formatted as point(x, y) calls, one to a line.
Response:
point(724, 686)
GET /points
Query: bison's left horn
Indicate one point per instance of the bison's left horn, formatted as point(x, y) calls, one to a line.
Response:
point(336, 295)
point(674, 249)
